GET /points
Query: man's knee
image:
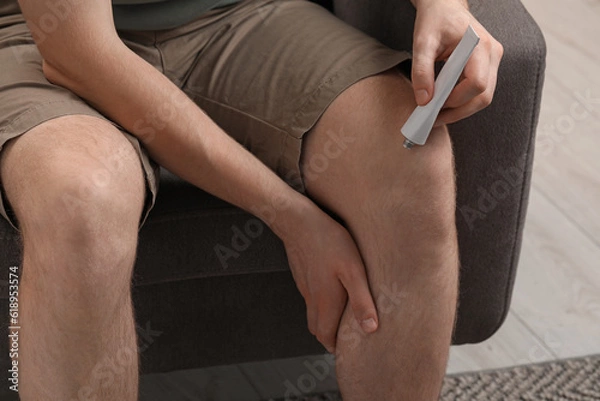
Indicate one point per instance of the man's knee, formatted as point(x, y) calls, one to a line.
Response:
point(86, 195)
point(375, 179)
point(419, 194)
point(87, 202)
point(70, 172)
point(91, 198)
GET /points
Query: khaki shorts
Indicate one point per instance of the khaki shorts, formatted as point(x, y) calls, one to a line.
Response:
point(264, 70)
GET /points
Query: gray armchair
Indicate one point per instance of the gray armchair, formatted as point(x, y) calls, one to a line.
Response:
point(218, 307)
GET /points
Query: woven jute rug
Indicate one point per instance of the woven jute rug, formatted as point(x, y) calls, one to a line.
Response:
point(566, 380)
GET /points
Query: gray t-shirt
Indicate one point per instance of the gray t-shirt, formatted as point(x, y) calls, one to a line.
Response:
point(149, 15)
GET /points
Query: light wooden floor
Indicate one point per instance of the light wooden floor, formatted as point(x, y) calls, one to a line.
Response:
point(556, 305)
point(555, 311)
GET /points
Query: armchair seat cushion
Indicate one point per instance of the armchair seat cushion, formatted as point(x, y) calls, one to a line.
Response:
point(220, 239)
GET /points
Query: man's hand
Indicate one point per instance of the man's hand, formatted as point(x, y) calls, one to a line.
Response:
point(328, 269)
point(439, 26)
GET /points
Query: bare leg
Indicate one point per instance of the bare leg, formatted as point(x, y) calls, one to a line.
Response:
point(77, 188)
point(399, 207)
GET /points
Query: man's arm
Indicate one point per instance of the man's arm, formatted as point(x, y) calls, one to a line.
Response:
point(85, 55)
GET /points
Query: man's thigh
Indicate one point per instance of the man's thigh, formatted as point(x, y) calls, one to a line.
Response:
point(269, 70)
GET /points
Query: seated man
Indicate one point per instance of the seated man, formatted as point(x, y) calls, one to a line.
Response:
point(275, 106)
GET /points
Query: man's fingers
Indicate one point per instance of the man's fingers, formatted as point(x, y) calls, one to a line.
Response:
point(330, 312)
point(424, 55)
point(475, 82)
point(311, 318)
point(359, 296)
point(451, 115)
point(462, 94)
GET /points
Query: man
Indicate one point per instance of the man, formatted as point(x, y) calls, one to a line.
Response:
point(88, 109)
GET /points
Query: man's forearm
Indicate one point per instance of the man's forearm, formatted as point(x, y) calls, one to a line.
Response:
point(178, 135)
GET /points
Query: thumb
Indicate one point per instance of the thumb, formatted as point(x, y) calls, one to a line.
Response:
point(423, 75)
point(360, 299)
